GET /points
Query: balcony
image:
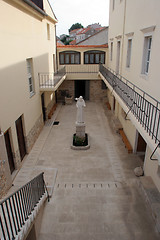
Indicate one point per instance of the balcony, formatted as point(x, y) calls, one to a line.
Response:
point(51, 81)
point(82, 71)
point(144, 107)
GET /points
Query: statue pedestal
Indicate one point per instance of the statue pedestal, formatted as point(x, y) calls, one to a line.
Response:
point(80, 129)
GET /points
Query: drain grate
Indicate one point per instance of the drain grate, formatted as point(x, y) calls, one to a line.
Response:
point(56, 123)
point(102, 186)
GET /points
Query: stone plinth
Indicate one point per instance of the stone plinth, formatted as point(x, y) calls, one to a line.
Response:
point(80, 129)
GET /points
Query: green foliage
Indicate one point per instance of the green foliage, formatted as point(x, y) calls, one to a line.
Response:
point(75, 26)
point(80, 141)
point(65, 41)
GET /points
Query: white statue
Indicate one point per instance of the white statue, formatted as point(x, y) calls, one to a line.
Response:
point(80, 104)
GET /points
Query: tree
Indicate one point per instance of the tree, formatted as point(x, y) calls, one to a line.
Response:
point(75, 26)
point(65, 41)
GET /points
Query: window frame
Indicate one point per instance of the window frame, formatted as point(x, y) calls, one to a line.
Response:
point(94, 54)
point(48, 32)
point(129, 52)
point(111, 52)
point(70, 54)
point(146, 52)
point(29, 62)
point(113, 5)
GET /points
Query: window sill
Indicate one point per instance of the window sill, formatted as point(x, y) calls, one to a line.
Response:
point(144, 76)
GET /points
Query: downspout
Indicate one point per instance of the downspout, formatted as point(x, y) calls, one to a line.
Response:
point(56, 57)
point(31, 4)
point(124, 22)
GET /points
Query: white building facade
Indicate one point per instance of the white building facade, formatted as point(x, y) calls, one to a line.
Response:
point(134, 30)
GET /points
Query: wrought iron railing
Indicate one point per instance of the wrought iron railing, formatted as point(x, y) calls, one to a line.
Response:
point(144, 107)
point(49, 80)
point(16, 209)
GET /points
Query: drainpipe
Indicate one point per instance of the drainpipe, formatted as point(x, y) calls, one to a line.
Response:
point(33, 5)
point(56, 57)
point(124, 22)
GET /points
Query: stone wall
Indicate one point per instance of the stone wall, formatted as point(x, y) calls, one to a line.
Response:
point(2, 179)
point(96, 91)
point(34, 133)
point(17, 159)
point(5, 174)
point(66, 85)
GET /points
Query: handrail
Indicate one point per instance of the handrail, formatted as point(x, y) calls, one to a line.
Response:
point(16, 209)
point(144, 107)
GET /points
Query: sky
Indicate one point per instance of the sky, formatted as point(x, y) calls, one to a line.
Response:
point(85, 12)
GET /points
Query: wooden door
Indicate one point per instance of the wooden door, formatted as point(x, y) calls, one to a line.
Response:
point(43, 107)
point(141, 144)
point(20, 136)
point(9, 151)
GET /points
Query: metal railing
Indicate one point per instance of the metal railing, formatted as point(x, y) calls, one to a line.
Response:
point(144, 107)
point(49, 80)
point(16, 209)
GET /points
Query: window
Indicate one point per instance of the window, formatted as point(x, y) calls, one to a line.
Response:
point(111, 52)
point(113, 4)
point(128, 61)
point(94, 57)
point(69, 57)
point(146, 54)
point(30, 76)
point(48, 31)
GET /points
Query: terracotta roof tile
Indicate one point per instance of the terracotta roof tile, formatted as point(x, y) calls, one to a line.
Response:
point(84, 31)
point(73, 42)
point(81, 46)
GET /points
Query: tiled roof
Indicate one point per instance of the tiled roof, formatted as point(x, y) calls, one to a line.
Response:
point(74, 30)
point(73, 42)
point(60, 43)
point(101, 29)
point(84, 31)
point(81, 46)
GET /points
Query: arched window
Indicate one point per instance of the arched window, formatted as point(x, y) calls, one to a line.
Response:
point(94, 57)
point(69, 57)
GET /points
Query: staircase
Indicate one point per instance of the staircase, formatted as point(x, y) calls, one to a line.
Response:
point(18, 211)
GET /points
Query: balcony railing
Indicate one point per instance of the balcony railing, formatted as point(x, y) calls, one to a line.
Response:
point(16, 209)
point(50, 80)
point(144, 107)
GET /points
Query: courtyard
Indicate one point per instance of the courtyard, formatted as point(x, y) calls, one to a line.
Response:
point(95, 195)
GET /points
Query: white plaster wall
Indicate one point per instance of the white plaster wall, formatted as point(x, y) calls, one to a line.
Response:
point(22, 36)
point(138, 15)
point(131, 19)
point(151, 167)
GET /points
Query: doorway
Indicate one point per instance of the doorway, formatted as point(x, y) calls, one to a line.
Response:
point(43, 107)
point(82, 88)
point(9, 151)
point(140, 145)
point(20, 136)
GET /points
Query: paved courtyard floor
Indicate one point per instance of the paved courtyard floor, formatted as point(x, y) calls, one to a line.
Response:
point(96, 196)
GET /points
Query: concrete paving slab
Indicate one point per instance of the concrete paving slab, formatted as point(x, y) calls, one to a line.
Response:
point(96, 195)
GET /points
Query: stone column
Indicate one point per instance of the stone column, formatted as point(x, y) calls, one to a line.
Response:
point(5, 174)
